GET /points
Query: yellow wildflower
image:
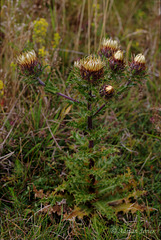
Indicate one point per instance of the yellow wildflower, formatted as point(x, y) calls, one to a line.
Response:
point(56, 40)
point(1, 88)
point(13, 66)
point(40, 30)
point(1, 84)
point(2, 93)
point(42, 53)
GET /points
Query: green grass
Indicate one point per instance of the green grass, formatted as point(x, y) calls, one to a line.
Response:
point(35, 133)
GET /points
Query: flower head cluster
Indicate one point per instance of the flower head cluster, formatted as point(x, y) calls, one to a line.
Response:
point(29, 63)
point(108, 47)
point(91, 68)
point(107, 91)
point(40, 30)
point(56, 41)
point(1, 88)
point(137, 66)
point(116, 62)
point(42, 52)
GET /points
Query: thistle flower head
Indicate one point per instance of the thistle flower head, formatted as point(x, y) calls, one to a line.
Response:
point(77, 64)
point(29, 63)
point(26, 58)
point(107, 91)
point(91, 68)
point(140, 58)
point(92, 63)
point(116, 62)
point(113, 44)
point(137, 66)
point(119, 55)
point(108, 47)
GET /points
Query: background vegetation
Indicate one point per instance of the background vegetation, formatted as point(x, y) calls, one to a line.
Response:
point(33, 126)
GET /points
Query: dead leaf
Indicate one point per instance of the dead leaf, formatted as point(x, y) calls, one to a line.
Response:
point(38, 193)
point(77, 212)
point(57, 209)
point(125, 205)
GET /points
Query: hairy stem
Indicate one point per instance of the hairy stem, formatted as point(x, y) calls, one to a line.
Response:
point(91, 145)
point(90, 124)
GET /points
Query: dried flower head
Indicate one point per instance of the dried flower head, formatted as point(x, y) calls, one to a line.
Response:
point(116, 62)
point(29, 63)
point(137, 66)
point(107, 91)
point(91, 68)
point(108, 47)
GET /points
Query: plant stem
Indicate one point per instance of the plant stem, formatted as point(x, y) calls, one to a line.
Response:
point(91, 145)
point(60, 94)
point(100, 109)
point(90, 125)
point(65, 96)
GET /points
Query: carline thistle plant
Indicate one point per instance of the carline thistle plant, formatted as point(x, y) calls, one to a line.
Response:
point(88, 179)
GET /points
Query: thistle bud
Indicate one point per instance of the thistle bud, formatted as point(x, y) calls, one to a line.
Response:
point(116, 62)
point(107, 91)
point(137, 66)
point(108, 47)
point(29, 63)
point(91, 68)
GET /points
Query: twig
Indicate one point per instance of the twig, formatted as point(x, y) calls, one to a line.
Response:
point(129, 150)
point(46, 207)
point(1, 145)
point(6, 156)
